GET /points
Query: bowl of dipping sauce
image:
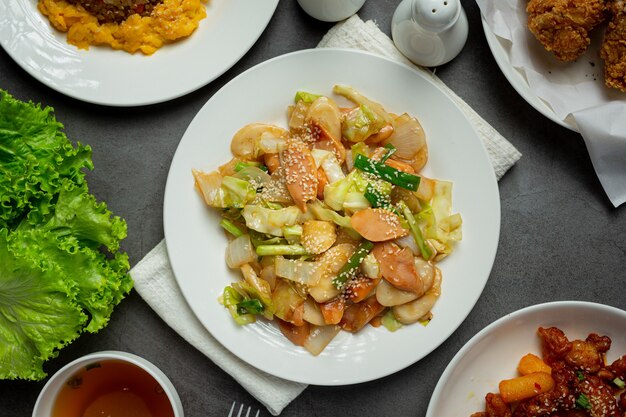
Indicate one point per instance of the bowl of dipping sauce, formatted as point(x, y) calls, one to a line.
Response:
point(109, 383)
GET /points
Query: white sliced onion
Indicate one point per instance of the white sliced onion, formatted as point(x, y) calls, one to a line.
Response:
point(408, 137)
point(408, 241)
point(319, 338)
point(312, 313)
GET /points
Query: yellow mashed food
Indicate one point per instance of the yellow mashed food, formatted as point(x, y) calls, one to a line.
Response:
point(169, 21)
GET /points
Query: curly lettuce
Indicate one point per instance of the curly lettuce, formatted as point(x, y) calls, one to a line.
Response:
point(61, 269)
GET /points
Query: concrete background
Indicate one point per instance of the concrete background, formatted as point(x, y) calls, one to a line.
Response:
point(561, 239)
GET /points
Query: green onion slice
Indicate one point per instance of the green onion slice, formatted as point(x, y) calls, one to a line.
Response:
point(231, 228)
point(583, 402)
point(348, 270)
point(387, 173)
point(253, 306)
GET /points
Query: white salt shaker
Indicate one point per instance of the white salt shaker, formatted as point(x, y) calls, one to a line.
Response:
point(429, 32)
point(331, 10)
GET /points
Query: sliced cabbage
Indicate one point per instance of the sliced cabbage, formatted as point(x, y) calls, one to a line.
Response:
point(287, 301)
point(254, 175)
point(360, 123)
point(270, 221)
point(390, 322)
point(302, 272)
point(329, 163)
point(439, 223)
point(332, 169)
point(335, 194)
point(359, 149)
point(319, 155)
point(240, 251)
point(448, 225)
point(256, 288)
point(223, 192)
point(292, 234)
point(229, 299)
point(306, 97)
point(322, 212)
point(355, 201)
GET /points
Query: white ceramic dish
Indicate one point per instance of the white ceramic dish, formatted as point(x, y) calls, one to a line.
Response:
point(103, 76)
point(47, 397)
point(196, 243)
point(331, 10)
point(517, 79)
point(492, 355)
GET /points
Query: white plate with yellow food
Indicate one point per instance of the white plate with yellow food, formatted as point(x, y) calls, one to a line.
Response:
point(106, 76)
point(197, 245)
point(495, 354)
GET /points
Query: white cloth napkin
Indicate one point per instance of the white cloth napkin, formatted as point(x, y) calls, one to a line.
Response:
point(156, 284)
point(574, 91)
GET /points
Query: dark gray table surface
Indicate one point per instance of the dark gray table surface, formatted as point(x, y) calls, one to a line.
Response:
point(561, 239)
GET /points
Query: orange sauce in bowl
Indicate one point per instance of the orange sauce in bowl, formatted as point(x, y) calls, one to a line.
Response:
point(168, 22)
point(112, 388)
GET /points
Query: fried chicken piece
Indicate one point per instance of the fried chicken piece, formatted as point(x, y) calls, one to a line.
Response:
point(563, 26)
point(588, 355)
point(614, 48)
point(601, 402)
point(618, 368)
point(554, 344)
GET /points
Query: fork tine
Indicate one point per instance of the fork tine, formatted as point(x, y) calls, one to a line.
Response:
point(232, 411)
point(232, 407)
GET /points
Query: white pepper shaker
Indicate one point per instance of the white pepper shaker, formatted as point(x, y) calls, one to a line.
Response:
point(429, 32)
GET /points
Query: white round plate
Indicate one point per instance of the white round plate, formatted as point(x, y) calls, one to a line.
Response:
point(196, 244)
point(517, 79)
point(493, 354)
point(102, 75)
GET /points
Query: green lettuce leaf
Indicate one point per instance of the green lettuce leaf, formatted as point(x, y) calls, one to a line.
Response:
point(37, 313)
point(61, 271)
point(35, 155)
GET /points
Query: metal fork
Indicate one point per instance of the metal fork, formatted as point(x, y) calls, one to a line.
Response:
point(241, 410)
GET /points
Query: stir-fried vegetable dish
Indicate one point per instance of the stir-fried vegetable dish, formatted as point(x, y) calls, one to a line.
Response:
point(573, 379)
point(332, 224)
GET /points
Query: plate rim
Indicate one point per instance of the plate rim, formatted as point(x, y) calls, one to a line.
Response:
point(85, 95)
point(492, 178)
point(517, 80)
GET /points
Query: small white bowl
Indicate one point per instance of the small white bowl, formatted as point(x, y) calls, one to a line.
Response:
point(47, 397)
point(493, 354)
point(331, 10)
